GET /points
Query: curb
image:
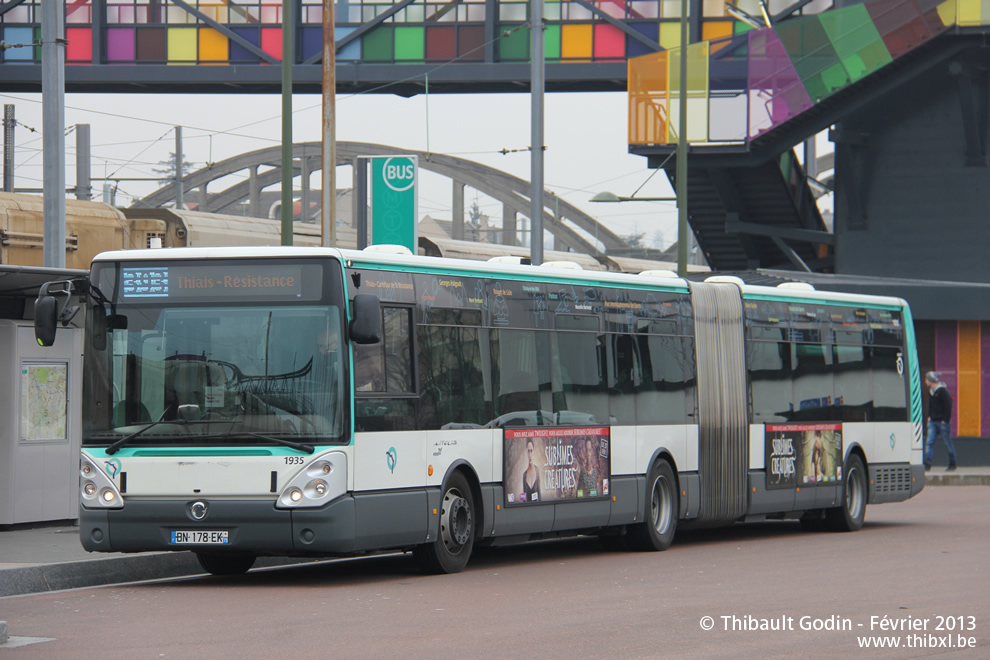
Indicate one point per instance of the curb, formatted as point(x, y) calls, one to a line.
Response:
point(955, 479)
point(112, 570)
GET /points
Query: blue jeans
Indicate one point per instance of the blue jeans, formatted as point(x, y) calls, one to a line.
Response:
point(936, 429)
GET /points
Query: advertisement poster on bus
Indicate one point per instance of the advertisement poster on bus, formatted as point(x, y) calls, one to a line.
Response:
point(556, 464)
point(803, 454)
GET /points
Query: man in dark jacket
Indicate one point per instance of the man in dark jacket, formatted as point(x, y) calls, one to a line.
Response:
point(939, 416)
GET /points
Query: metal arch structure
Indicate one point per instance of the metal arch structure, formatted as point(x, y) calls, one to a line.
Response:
point(510, 190)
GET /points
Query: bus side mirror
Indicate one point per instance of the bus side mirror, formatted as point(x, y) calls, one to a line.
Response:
point(366, 321)
point(45, 319)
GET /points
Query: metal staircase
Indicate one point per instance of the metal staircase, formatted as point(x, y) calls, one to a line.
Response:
point(750, 203)
point(759, 216)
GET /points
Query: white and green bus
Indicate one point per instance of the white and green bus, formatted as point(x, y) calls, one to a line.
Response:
point(241, 402)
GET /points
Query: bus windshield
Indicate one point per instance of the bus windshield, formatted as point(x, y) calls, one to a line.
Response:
point(178, 369)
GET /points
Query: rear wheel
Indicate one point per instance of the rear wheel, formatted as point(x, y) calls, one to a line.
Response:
point(450, 552)
point(850, 516)
point(662, 508)
point(224, 563)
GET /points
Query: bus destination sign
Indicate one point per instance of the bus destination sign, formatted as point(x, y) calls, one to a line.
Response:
point(222, 282)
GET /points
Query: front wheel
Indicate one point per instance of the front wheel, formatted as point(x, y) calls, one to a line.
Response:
point(450, 552)
point(222, 563)
point(662, 508)
point(850, 516)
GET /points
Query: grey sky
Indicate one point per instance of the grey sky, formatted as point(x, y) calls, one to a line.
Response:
point(585, 135)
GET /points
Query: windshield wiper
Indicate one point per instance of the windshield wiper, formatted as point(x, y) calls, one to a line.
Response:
point(114, 447)
point(298, 446)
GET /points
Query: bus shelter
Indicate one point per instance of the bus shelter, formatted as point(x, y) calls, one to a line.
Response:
point(40, 404)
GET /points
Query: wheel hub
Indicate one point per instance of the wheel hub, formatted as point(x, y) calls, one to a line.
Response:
point(456, 525)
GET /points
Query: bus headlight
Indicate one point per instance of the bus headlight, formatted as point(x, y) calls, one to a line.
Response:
point(96, 489)
point(318, 482)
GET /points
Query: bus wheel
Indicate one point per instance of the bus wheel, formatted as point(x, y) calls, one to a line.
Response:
point(850, 516)
point(226, 563)
point(450, 552)
point(657, 531)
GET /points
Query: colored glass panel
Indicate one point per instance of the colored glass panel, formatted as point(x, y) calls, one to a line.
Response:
point(814, 58)
point(441, 43)
point(377, 44)
point(900, 24)
point(311, 42)
point(238, 53)
point(648, 99)
point(968, 396)
point(18, 35)
point(212, 46)
point(776, 91)
point(352, 51)
point(946, 13)
point(670, 34)
point(856, 40)
point(968, 12)
point(634, 47)
point(696, 87)
point(271, 42)
point(79, 49)
point(713, 8)
point(946, 341)
point(152, 45)
point(716, 32)
point(610, 43)
point(409, 43)
point(120, 45)
point(181, 45)
point(551, 42)
point(470, 42)
point(985, 382)
point(575, 42)
point(515, 44)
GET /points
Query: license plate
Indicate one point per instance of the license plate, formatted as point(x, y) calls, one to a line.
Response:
point(200, 537)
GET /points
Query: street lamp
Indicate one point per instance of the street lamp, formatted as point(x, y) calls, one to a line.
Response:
point(612, 197)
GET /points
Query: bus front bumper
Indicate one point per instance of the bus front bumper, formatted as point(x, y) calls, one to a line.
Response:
point(254, 526)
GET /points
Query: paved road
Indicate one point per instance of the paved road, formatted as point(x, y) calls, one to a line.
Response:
point(913, 562)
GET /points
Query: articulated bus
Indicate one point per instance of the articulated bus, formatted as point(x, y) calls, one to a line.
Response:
point(241, 402)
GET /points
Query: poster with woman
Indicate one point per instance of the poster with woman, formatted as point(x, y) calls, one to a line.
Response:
point(556, 464)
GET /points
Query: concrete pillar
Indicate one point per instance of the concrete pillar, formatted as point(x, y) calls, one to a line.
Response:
point(457, 217)
point(508, 226)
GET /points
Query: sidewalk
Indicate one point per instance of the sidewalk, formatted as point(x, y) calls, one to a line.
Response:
point(50, 558)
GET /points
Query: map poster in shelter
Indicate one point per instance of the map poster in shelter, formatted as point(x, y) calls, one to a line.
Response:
point(44, 401)
point(556, 464)
point(803, 454)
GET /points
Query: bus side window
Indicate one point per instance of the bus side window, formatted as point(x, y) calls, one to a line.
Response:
point(386, 366)
point(383, 376)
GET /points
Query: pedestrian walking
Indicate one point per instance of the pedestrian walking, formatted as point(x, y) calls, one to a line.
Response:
point(939, 416)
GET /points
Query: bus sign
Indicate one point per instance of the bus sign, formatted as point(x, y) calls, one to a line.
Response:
point(393, 200)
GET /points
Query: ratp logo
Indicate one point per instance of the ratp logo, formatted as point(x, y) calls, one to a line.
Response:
point(112, 467)
point(893, 440)
point(391, 457)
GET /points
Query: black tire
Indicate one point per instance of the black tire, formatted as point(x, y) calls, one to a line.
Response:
point(656, 532)
point(451, 550)
point(850, 516)
point(226, 563)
